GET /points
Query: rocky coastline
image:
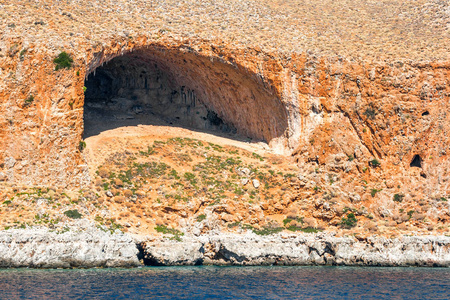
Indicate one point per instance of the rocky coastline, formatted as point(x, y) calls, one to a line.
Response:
point(292, 249)
point(41, 248)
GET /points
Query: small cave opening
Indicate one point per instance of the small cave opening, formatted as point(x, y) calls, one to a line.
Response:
point(167, 87)
point(416, 161)
point(425, 113)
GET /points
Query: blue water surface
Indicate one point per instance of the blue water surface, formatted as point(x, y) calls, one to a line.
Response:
point(227, 283)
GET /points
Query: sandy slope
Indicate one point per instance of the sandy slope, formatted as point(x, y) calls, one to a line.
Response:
point(101, 146)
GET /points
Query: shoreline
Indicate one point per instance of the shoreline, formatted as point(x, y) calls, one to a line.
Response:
point(41, 248)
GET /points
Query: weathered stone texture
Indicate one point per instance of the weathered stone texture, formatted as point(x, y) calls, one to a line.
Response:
point(320, 249)
point(39, 248)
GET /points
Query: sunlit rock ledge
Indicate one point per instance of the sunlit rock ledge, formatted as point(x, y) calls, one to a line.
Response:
point(41, 248)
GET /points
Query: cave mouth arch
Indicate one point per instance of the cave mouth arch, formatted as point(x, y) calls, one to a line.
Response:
point(161, 86)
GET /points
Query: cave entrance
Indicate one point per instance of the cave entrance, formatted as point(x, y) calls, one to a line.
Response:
point(175, 88)
point(127, 92)
point(416, 161)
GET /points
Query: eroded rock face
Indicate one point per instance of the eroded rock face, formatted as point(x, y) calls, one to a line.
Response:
point(230, 92)
point(332, 113)
point(316, 108)
point(249, 249)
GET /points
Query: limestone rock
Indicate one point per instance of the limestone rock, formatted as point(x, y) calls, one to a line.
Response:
point(256, 183)
point(9, 162)
point(40, 248)
point(282, 249)
point(174, 253)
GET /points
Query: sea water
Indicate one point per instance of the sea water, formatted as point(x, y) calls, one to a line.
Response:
point(227, 283)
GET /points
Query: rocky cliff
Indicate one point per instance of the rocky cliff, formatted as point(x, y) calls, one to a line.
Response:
point(41, 248)
point(355, 94)
point(320, 106)
point(249, 249)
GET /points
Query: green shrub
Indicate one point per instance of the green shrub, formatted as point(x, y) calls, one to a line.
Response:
point(369, 216)
point(63, 61)
point(190, 177)
point(398, 197)
point(267, 230)
point(165, 230)
point(370, 113)
point(373, 192)
point(289, 220)
point(73, 214)
point(174, 174)
point(149, 151)
point(234, 224)
point(82, 145)
point(29, 100)
point(201, 218)
point(114, 226)
point(22, 54)
point(238, 191)
point(349, 221)
point(105, 186)
point(374, 163)
point(257, 156)
point(306, 230)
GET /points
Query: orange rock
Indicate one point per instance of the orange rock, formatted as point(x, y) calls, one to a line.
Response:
point(118, 199)
point(355, 122)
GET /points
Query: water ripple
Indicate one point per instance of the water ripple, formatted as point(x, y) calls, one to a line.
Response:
point(227, 283)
